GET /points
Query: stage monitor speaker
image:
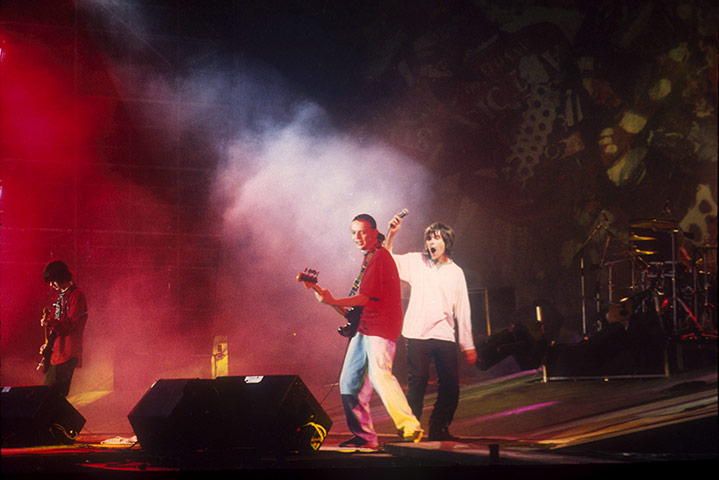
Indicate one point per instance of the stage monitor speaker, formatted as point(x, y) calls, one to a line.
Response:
point(272, 412)
point(37, 415)
point(613, 352)
point(523, 340)
point(269, 413)
point(176, 415)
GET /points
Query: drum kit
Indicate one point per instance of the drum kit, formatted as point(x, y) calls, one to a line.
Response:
point(669, 275)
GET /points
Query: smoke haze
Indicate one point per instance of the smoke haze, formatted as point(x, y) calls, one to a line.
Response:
point(285, 187)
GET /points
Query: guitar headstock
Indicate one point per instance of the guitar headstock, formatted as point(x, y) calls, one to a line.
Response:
point(308, 277)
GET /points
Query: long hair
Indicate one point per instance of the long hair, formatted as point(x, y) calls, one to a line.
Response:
point(445, 232)
point(372, 223)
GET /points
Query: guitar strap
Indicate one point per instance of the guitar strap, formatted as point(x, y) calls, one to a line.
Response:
point(62, 300)
point(60, 308)
point(358, 280)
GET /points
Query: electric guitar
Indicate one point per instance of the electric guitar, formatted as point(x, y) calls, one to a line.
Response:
point(351, 314)
point(50, 336)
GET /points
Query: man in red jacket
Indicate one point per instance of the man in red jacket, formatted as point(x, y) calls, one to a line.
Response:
point(64, 324)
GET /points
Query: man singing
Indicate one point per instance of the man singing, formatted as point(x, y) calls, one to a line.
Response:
point(438, 305)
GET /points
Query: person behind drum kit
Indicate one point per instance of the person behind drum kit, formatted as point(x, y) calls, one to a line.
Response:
point(64, 324)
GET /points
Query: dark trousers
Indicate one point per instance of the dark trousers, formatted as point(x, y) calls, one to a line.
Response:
point(420, 353)
point(58, 377)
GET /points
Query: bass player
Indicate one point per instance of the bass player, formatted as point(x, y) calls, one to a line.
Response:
point(370, 353)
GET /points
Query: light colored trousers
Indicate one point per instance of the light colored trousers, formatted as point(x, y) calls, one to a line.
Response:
point(368, 366)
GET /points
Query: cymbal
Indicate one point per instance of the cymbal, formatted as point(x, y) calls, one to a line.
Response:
point(639, 238)
point(655, 223)
point(645, 252)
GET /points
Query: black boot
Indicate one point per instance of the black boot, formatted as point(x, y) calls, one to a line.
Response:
point(439, 432)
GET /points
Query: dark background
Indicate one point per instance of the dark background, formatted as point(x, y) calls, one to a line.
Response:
point(188, 159)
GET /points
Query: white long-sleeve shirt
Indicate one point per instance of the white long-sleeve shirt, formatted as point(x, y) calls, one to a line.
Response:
point(439, 298)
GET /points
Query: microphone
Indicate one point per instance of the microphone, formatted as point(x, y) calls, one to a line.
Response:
point(402, 214)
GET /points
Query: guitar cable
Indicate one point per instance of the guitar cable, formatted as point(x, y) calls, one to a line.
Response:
point(339, 374)
point(318, 438)
point(59, 433)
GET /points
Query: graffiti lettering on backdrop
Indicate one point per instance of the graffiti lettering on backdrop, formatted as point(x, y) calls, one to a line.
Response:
point(520, 71)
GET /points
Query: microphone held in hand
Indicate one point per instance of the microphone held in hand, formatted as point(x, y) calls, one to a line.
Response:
point(401, 214)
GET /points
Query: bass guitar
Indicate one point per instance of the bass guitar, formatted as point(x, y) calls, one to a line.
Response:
point(50, 336)
point(351, 314)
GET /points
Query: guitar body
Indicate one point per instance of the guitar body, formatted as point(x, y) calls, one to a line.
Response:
point(50, 336)
point(349, 329)
point(44, 364)
point(352, 315)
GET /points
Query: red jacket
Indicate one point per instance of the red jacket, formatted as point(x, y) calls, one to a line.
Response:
point(69, 326)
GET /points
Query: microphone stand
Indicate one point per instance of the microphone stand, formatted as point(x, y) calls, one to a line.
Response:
point(583, 276)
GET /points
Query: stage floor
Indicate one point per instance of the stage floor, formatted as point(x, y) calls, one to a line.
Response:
point(518, 421)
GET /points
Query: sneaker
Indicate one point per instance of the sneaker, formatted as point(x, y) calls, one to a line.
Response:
point(358, 442)
point(414, 436)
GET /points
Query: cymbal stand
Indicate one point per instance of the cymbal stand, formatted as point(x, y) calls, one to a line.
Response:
point(583, 274)
point(696, 280)
point(610, 279)
point(707, 306)
point(674, 281)
point(584, 297)
point(601, 264)
point(638, 265)
point(582, 281)
point(610, 265)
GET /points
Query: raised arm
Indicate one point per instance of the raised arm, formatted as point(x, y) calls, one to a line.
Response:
point(394, 226)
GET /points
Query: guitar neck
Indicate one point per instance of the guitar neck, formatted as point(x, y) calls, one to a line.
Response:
point(45, 316)
point(337, 308)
